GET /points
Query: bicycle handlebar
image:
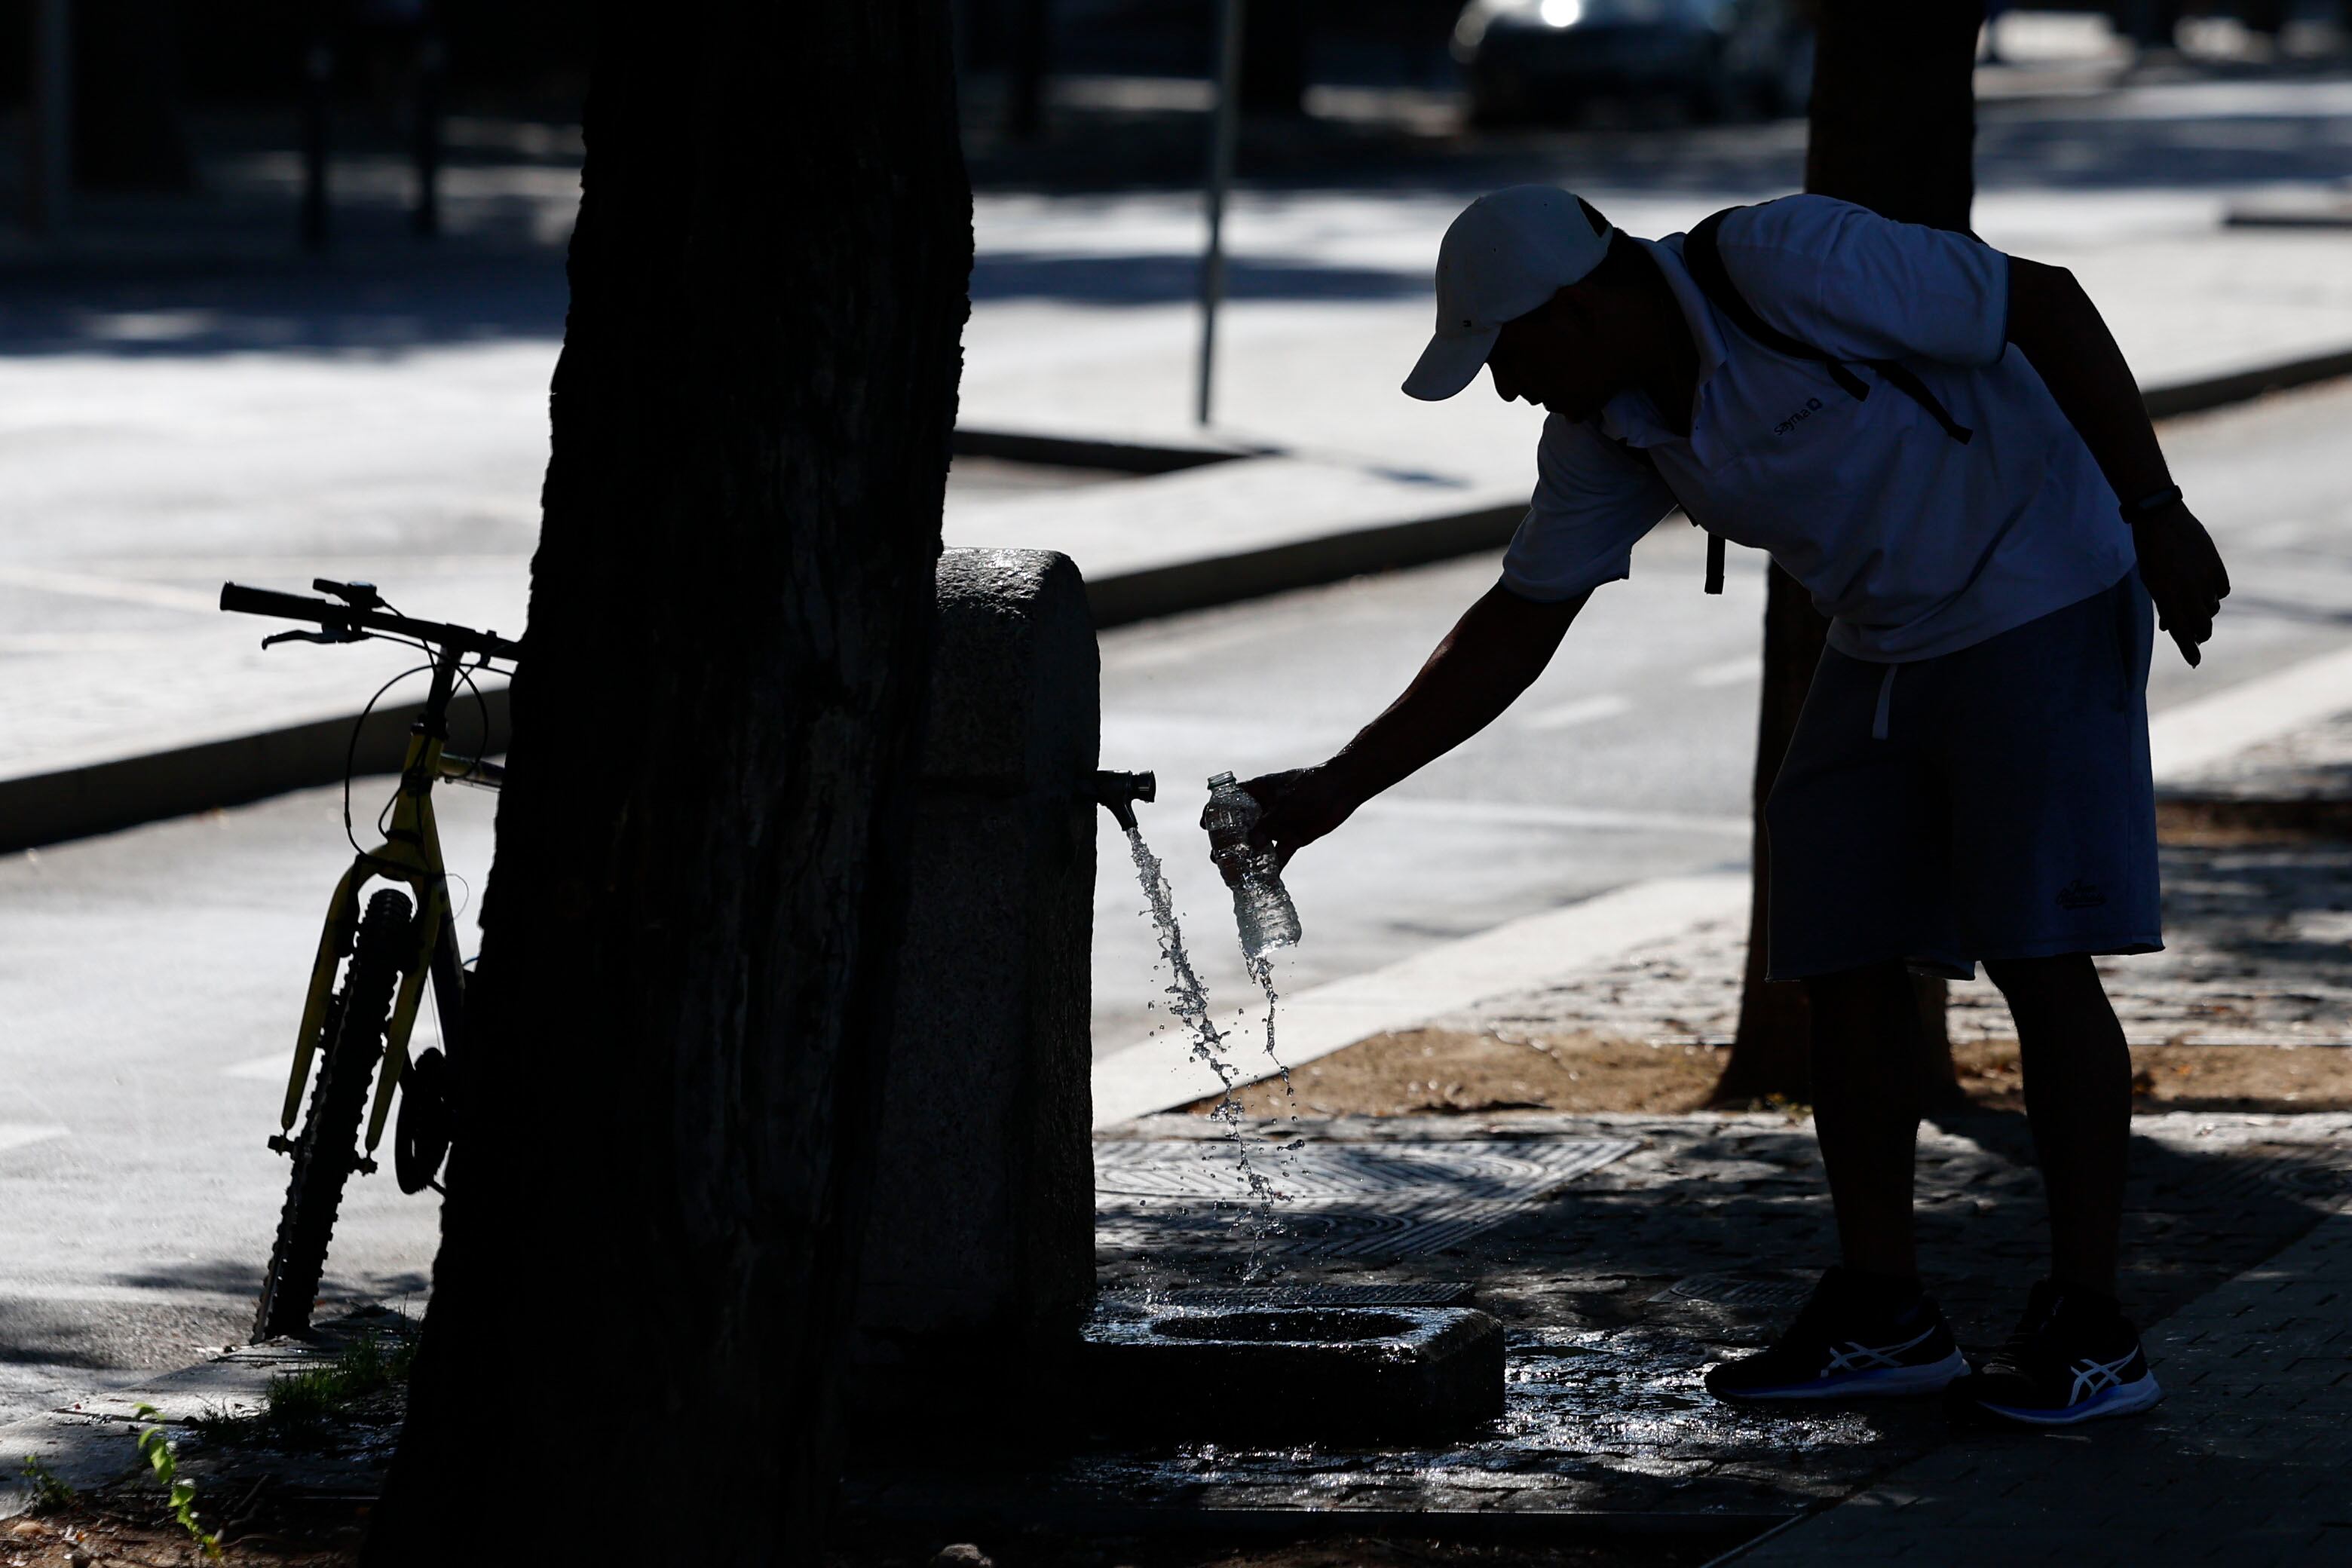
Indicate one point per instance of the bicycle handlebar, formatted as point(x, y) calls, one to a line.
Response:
point(333, 616)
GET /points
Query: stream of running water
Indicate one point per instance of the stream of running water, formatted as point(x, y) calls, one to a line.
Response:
point(1254, 1214)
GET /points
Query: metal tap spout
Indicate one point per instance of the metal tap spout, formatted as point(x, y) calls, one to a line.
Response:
point(1117, 793)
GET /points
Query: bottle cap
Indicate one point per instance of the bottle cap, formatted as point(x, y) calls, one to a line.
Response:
point(1220, 781)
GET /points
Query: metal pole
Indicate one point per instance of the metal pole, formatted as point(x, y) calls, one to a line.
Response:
point(1221, 176)
point(1033, 43)
point(318, 76)
point(425, 218)
point(50, 180)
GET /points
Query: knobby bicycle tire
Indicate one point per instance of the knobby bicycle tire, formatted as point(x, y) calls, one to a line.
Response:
point(327, 1150)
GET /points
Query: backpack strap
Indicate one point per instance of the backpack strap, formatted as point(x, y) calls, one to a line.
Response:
point(1703, 257)
point(1714, 540)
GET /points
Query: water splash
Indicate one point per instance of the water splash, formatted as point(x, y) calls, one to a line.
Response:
point(1261, 970)
point(1188, 999)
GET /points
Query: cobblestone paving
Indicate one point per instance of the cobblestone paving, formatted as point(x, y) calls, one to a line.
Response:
point(2244, 1463)
point(1622, 1278)
point(2257, 941)
point(1622, 1283)
point(2314, 762)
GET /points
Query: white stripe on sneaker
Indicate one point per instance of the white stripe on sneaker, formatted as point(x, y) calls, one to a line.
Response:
point(1928, 1377)
point(1857, 1356)
point(2098, 1376)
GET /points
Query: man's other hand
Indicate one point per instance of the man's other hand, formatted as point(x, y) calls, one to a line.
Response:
point(1295, 808)
point(2184, 575)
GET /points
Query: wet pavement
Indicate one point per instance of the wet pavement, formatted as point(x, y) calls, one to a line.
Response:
point(1624, 1254)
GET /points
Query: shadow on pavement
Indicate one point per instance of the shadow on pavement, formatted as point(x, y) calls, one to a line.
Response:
point(290, 306)
point(1618, 1289)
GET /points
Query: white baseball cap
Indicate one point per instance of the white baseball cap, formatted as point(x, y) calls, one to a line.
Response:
point(1504, 256)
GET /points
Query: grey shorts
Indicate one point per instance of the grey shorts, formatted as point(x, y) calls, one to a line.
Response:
point(1994, 803)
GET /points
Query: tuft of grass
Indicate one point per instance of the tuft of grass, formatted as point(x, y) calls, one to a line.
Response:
point(50, 1495)
point(305, 1408)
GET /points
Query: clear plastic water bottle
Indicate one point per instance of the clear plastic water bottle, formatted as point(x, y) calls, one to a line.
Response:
point(1262, 906)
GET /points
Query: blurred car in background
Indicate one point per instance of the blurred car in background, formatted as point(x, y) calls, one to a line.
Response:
point(1528, 59)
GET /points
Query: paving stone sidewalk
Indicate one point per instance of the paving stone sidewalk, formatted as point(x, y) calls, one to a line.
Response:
point(1624, 1255)
point(2257, 939)
point(2258, 933)
point(2245, 1462)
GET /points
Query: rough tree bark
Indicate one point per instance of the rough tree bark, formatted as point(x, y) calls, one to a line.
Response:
point(1893, 128)
point(689, 932)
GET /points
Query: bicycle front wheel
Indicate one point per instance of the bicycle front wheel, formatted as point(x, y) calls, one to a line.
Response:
point(327, 1150)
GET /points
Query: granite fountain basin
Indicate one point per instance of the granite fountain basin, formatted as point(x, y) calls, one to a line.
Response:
point(1343, 1375)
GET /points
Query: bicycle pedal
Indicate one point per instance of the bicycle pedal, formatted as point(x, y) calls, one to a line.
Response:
point(364, 1165)
point(280, 1144)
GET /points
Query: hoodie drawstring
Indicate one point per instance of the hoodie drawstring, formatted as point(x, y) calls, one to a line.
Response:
point(1886, 703)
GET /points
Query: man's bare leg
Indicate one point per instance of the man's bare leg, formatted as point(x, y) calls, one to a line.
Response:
point(1868, 1329)
point(2078, 1098)
point(1865, 1043)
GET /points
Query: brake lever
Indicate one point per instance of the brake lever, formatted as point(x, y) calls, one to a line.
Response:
point(344, 635)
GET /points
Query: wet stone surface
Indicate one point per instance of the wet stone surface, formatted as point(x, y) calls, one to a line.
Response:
point(1349, 1374)
point(1620, 1281)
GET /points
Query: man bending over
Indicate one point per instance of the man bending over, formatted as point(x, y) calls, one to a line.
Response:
point(1943, 445)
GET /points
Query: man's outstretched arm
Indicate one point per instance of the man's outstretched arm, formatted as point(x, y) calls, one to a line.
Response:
point(1493, 654)
point(2053, 321)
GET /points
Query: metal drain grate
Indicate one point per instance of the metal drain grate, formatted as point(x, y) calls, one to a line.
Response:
point(1214, 1297)
point(1367, 1200)
point(1737, 1290)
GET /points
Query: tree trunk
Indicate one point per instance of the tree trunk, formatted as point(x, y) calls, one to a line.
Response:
point(1894, 129)
point(666, 1128)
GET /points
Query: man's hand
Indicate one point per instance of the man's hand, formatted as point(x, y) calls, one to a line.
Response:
point(1295, 808)
point(2184, 575)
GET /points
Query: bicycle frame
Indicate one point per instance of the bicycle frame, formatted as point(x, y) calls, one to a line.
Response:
point(410, 853)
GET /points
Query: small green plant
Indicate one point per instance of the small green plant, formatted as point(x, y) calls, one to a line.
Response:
point(161, 1455)
point(50, 1495)
point(302, 1410)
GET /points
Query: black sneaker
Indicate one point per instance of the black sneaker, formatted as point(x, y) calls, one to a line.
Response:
point(2074, 1357)
point(1859, 1337)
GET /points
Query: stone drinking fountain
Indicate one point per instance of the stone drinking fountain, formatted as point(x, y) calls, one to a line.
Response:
point(978, 1287)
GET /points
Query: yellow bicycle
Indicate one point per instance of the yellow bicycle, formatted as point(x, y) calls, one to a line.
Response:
point(373, 965)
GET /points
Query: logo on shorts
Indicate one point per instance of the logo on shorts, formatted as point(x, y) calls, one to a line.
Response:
point(2081, 894)
point(1811, 405)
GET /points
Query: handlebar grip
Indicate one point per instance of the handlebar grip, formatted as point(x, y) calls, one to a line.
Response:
point(285, 607)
